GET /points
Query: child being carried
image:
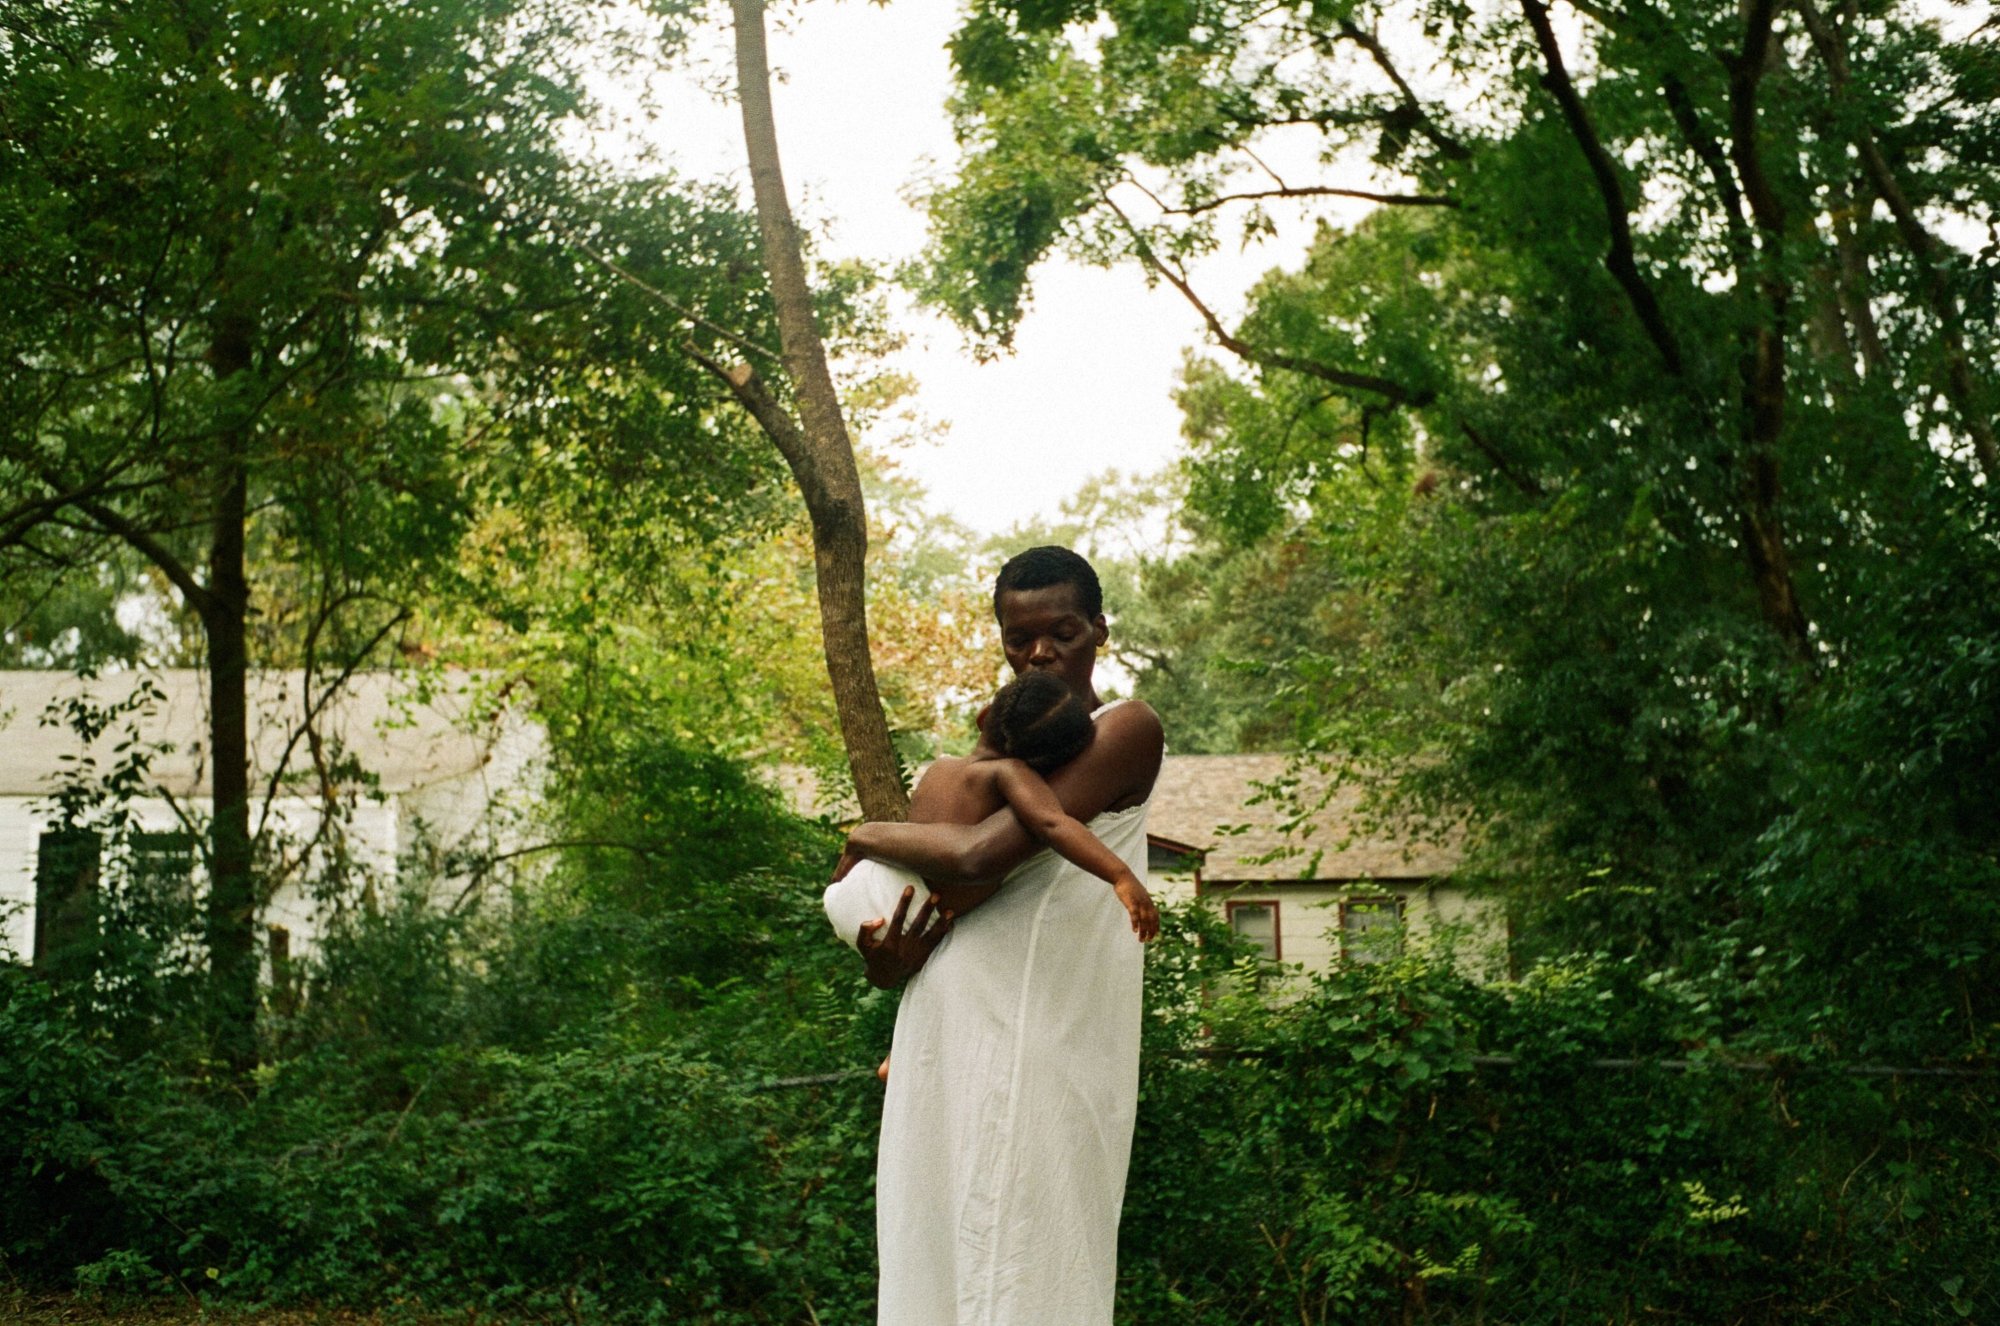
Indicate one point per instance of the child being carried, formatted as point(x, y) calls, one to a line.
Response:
point(1034, 726)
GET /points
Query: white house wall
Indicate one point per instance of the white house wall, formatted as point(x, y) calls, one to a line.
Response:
point(371, 831)
point(448, 777)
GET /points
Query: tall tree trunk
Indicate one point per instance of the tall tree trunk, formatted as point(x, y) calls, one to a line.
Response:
point(232, 895)
point(1762, 364)
point(819, 453)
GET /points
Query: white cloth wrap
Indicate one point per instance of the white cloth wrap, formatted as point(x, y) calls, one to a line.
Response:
point(866, 893)
point(1014, 1082)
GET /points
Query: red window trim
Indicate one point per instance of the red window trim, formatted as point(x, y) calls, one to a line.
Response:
point(1277, 921)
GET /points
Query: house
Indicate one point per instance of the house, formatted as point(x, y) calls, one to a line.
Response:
point(404, 765)
point(1336, 887)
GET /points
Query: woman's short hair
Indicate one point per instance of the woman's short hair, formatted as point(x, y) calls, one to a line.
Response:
point(1040, 721)
point(1039, 568)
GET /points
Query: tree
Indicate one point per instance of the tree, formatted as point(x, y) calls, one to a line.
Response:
point(1633, 438)
point(300, 287)
point(815, 446)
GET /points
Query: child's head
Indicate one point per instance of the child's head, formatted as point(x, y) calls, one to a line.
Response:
point(1040, 721)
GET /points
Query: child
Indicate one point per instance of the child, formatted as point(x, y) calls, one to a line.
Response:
point(1035, 725)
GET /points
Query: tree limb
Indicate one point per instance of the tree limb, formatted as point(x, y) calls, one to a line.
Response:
point(1393, 392)
point(142, 541)
point(1711, 155)
point(1426, 125)
point(757, 401)
point(1620, 260)
point(1316, 191)
point(667, 301)
point(315, 705)
point(1519, 478)
point(1763, 367)
point(1746, 73)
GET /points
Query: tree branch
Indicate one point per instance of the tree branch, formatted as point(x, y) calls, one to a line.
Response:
point(1620, 260)
point(1426, 125)
point(1519, 478)
point(1710, 153)
point(758, 401)
point(1763, 365)
point(673, 305)
point(1746, 72)
point(142, 541)
point(1316, 191)
point(315, 705)
point(1961, 387)
point(1393, 392)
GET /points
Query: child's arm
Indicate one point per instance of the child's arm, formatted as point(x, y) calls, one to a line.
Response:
point(1043, 816)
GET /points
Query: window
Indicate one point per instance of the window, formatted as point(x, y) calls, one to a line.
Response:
point(1258, 923)
point(163, 864)
point(1371, 929)
point(66, 871)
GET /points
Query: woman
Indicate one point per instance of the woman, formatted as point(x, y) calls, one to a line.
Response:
point(1007, 1125)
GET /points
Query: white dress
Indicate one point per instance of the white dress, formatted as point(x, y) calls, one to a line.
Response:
point(1013, 1086)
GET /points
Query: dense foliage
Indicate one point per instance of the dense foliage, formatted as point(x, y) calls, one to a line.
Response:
point(558, 1117)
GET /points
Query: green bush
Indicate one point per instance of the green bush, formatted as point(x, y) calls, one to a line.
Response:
point(1409, 1146)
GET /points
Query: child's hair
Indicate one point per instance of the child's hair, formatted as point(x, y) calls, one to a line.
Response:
point(1038, 719)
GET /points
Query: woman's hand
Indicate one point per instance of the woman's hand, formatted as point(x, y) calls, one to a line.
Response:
point(900, 952)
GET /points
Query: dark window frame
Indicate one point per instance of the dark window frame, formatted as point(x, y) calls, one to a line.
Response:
point(69, 872)
point(1395, 903)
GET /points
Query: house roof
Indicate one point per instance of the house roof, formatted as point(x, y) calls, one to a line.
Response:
point(1198, 798)
point(408, 731)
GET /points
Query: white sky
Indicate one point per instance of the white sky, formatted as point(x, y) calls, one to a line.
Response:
point(860, 111)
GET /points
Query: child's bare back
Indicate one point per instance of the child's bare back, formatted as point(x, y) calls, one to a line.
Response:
point(1036, 717)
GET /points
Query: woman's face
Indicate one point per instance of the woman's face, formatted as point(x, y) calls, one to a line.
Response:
point(1044, 630)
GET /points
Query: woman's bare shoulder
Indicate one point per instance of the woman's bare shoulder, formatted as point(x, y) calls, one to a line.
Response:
point(1130, 721)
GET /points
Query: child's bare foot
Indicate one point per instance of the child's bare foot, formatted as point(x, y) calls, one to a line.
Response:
point(882, 1071)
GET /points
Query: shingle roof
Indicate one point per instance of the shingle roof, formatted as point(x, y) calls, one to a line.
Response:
point(1198, 796)
point(405, 737)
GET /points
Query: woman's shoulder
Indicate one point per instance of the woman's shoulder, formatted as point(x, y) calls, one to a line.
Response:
point(1130, 746)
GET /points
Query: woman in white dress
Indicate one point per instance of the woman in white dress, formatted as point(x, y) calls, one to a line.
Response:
point(1008, 1122)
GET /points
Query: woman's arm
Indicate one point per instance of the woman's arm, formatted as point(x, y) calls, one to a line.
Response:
point(1116, 770)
